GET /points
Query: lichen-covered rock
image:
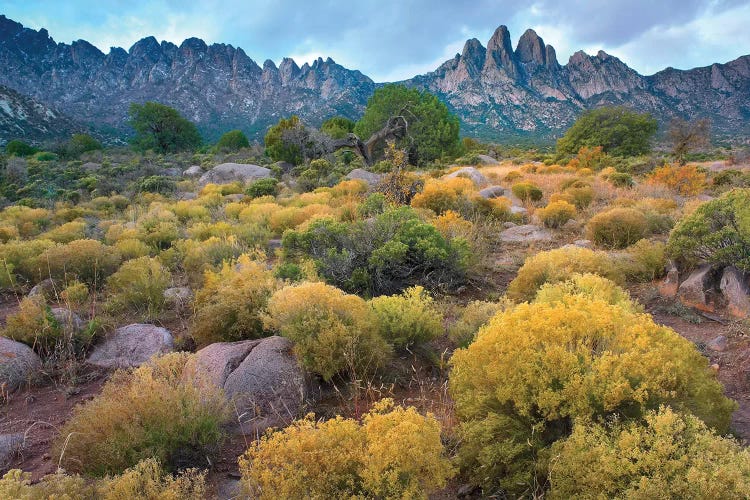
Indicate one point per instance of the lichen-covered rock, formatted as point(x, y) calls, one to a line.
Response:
point(472, 173)
point(492, 192)
point(193, 171)
point(131, 346)
point(18, 364)
point(693, 292)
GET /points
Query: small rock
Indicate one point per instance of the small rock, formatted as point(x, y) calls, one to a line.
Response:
point(193, 171)
point(525, 234)
point(472, 173)
point(187, 196)
point(719, 344)
point(669, 285)
point(508, 225)
point(45, 288)
point(515, 209)
point(234, 197)
point(171, 172)
point(492, 192)
point(487, 160)
point(715, 367)
point(734, 288)
point(131, 346)
point(18, 364)
point(692, 291)
point(583, 243)
point(178, 297)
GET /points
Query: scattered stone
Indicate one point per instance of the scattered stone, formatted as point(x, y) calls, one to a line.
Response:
point(187, 196)
point(715, 367)
point(70, 322)
point(472, 173)
point(262, 377)
point(734, 288)
point(229, 488)
point(487, 160)
point(11, 446)
point(492, 192)
point(370, 178)
point(171, 172)
point(18, 364)
point(131, 345)
point(90, 166)
point(583, 243)
point(194, 171)
point(178, 297)
point(518, 210)
point(670, 284)
point(508, 225)
point(525, 234)
point(719, 344)
point(274, 243)
point(227, 173)
point(692, 291)
point(45, 288)
point(284, 166)
point(234, 197)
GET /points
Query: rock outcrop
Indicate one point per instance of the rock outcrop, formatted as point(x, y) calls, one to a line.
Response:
point(232, 172)
point(131, 346)
point(18, 364)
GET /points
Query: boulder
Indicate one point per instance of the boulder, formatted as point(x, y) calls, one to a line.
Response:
point(171, 172)
point(371, 178)
point(11, 446)
point(187, 196)
point(70, 322)
point(131, 345)
point(194, 171)
point(227, 173)
point(719, 344)
point(487, 160)
point(669, 285)
point(262, 377)
point(45, 288)
point(583, 243)
point(693, 291)
point(734, 288)
point(178, 297)
point(472, 173)
point(284, 166)
point(492, 192)
point(525, 234)
point(518, 210)
point(18, 364)
point(235, 197)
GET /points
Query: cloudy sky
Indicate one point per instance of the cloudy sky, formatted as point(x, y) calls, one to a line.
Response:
point(396, 39)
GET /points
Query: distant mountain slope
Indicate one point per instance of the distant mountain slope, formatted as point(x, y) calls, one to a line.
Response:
point(499, 92)
point(24, 118)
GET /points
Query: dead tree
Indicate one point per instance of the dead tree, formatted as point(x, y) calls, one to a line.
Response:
point(395, 128)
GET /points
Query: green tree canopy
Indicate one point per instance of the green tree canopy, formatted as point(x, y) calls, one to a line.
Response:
point(162, 129)
point(432, 129)
point(337, 127)
point(618, 130)
point(234, 140)
point(19, 148)
point(80, 143)
point(279, 150)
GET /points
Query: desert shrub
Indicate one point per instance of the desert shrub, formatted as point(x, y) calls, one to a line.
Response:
point(263, 187)
point(558, 265)
point(333, 332)
point(158, 228)
point(644, 261)
point(386, 254)
point(669, 455)
point(526, 192)
point(147, 480)
point(513, 175)
point(408, 319)
point(75, 295)
point(617, 227)
point(19, 148)
point(537, 367)
point(34, 325)
point(230, 305)
point(393, 453)
point(18, 260)
point(717, 232)
point(687, 180)
point(89, 261)
point(148, 412)
point(579, 194)
point(8, 232)
point(17, 485)
point(590, 286)
point(131, 248)
point(138, 288)
point(556, 214)
point(156, 184)
point(374, 204)
point(70, 231)
point(475, 315)
point(620, 179)
point(190, 210)
point(201, 256)
point(445, 194)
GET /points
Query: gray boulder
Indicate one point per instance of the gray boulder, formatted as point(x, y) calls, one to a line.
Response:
point(178, 297)
point(232, 172)
point(370, 178)
point(693, 292)
point(193, 171)
point(11, 446)
point(262, 377)
point(719, 344)
point(70, 322)
point(18, 364)
point(734, 288)
point(472, 173)
point(492, 192)
point(525, 234)
point(171, 172)
point(131, 345)
point(487, 160)
point(45, 288)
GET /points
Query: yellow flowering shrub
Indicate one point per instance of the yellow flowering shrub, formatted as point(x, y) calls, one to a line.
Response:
point(617, 227)
point(230, 305)
point(590, 286)
point(440, 195)
point(70, 231)
point(537, 367)
point(472, 317)
point(668, 456)
point(557, 213)
point(333, 332)
point(687, 180)
point(138, 288)
point(407, 319)
point(558, 265)
point(89, 261)
point(394, 453)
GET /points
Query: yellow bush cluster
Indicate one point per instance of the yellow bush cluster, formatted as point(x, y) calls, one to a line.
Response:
point(556, 214)
point(138, 287)
point(394, 453)
point(408, 319)
point(617, 227)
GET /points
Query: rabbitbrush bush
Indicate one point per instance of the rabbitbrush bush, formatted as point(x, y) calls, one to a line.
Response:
point(669, 455)
point(617, 227)
point(333, 332)
point(558, 265)
point(393, 453)
point(231, 303)
point(89, 261)
point(475, 315)
point(147, 412)
point(138, 287)
point(407, 319)
point(34, 325)
point(535, 369)
point(556, 214)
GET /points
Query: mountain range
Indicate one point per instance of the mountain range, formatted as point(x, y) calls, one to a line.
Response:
point(499, 92)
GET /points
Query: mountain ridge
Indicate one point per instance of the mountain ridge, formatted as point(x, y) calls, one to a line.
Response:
point(498, 91)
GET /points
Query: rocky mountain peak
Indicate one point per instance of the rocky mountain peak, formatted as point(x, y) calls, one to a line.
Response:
point(473, 56)
point(500, 56)
point(531, 48)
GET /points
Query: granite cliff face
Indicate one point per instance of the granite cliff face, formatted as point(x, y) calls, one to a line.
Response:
point(498, 91)
point(24, 118)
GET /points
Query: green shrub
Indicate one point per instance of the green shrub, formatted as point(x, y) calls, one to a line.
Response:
point(148, 412)
point(230, 305)
point(668, 456)
point(333, 333)
point(620, 179)
point(407, 319)
point(263, 187)
point(89, 261)
point(645, 261)
point(138, 288)
point(393, 453)
point(474, 316)
point(617, 227)
point(70, 231)
point(556, 214)
point(19, 148)
point(559, 265)
point(526, 191)
point(75, 295)
point(538, 367)
point(234, 140)
point(34, 325)
point(718, 232)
